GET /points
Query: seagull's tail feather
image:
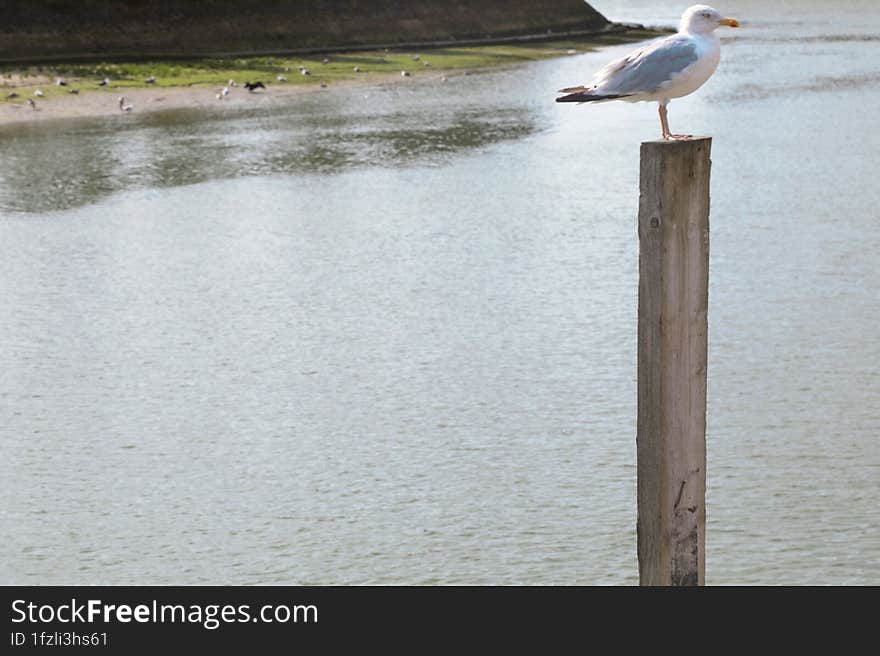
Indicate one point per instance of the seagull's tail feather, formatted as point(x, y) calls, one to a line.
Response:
point(583, 94)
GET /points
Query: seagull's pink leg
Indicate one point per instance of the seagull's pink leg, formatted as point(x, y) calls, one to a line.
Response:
point(664, 124)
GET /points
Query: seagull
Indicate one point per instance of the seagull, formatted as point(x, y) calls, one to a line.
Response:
point(305, 71)
point(105, 82)
point(404, 73)
point(60, 82)
point(281, 78)
point(251, 86)
point(38, 93)
point(151, 80)
point(664, 69)
point(32, 103)
point(123, 106)
point(233, 83)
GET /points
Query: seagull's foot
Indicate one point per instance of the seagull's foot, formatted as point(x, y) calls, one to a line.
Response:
point(678, 137)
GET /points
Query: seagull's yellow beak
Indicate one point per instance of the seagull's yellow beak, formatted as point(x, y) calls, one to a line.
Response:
point(730, 22)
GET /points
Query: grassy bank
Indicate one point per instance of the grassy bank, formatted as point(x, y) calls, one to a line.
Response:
point(327, 69)
point(59, 30)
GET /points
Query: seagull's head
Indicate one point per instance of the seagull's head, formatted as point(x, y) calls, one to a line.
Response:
point(701, 19)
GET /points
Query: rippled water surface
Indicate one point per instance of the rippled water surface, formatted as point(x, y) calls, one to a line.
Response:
point(387, 334)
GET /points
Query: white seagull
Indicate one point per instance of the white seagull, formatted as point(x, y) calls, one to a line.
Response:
point(123, 107)
point(662, 70)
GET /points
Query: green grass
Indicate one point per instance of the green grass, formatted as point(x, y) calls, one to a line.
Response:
point(216, 72)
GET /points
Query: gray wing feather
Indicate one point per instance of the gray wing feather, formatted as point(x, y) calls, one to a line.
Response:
point(646, 69)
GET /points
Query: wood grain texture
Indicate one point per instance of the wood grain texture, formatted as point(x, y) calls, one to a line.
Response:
point(672, 361)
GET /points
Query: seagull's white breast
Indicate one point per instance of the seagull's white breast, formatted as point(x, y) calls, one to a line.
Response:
point(695, 75)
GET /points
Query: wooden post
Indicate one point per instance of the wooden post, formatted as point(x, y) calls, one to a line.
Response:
point(672, 359)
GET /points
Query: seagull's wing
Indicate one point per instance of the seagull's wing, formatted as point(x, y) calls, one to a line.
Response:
point(648, 68)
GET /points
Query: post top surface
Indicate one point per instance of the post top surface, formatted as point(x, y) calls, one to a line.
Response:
point(670, 142)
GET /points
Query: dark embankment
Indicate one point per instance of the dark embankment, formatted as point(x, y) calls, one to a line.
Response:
point(45, 30)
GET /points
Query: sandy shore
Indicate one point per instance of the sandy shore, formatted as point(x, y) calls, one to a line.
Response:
point(195, 84)
point(93, 104)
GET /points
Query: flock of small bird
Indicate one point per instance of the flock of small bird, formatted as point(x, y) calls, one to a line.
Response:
point(252, 87)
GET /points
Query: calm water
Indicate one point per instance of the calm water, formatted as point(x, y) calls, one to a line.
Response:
point(387, 335)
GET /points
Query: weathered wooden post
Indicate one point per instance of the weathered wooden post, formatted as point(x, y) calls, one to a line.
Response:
point(672, 359)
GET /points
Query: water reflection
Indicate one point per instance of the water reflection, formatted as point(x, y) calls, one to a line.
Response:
point(61, 165)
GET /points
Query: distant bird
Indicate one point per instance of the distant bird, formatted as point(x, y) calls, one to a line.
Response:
point(357, 69)
point(426, 64)
point(323, 85)
point(281, 78)
point(233, 83)
point(38, 93)
point(664, 69)
point(74, 91)
point(12, 95)
point(105, 82)
point(60, 82)
point(123, 106)
point(151, 80)
point(443, 79)
point(225, 91)
point(305, 71)
point(287, 69)
point(252, 86)
point(32, 103)
point(404, 73)
point(326, 60)
point(416, 58)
